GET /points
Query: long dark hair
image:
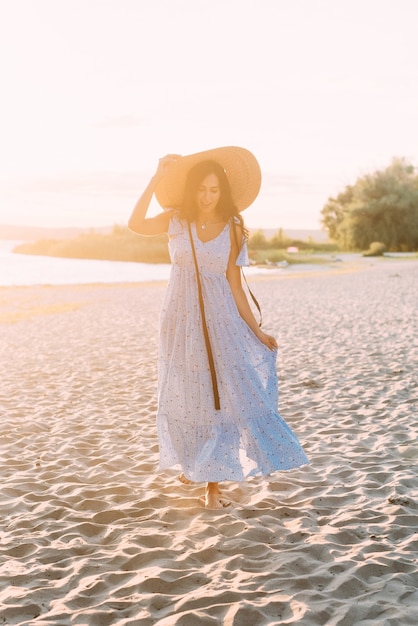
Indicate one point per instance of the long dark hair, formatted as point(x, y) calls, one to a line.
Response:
point(226, 208)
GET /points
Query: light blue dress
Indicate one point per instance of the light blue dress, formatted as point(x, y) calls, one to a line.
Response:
point(247, 436)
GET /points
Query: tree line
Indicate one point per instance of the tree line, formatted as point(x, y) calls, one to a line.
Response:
point(379, 208)
point(121, 244)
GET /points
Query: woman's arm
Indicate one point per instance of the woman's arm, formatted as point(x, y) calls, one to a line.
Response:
point(233, 275)
point(138, 222)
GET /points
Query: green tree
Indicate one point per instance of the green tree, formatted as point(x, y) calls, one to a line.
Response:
point(258, 241)
point(279, 240)
point(382, 206)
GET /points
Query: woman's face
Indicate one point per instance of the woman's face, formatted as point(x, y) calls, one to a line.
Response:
point(208, 194)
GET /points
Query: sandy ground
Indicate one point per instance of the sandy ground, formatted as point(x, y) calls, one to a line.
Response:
point(93, 534)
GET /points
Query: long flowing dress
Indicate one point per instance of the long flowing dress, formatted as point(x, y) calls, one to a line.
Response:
point(247, 436)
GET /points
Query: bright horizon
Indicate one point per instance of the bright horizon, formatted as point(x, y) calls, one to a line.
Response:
point(95, 91)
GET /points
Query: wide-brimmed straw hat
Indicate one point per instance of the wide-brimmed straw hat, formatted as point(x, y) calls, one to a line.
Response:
point(241, 168)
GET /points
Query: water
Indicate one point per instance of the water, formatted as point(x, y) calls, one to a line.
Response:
point(25, 269)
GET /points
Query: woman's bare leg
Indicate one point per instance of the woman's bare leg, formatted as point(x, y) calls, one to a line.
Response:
point(213, 496)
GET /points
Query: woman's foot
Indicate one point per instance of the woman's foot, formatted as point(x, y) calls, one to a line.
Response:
point(185, 481)
point(213, 497)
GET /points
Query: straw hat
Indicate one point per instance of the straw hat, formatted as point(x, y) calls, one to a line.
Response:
point(241, 168)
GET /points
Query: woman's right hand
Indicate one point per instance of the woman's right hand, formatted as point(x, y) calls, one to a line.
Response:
point(138, 222)
point(164, 165)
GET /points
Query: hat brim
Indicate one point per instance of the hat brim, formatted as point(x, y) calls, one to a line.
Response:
point(241, 168)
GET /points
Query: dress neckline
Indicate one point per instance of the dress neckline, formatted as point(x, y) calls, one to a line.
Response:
point(196, 232)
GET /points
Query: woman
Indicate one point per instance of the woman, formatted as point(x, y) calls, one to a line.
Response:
point(217, 396)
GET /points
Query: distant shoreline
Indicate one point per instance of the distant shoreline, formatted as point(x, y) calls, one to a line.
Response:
point(32, 233)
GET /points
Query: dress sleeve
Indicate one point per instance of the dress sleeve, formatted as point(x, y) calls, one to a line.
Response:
point(243, 258)
point(175, 227)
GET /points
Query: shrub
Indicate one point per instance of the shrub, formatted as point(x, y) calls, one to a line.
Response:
point(377, 248)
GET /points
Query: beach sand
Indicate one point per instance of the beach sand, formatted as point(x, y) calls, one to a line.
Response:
point(92, 533)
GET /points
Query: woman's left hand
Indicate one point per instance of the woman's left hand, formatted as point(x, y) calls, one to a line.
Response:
point(268, 340)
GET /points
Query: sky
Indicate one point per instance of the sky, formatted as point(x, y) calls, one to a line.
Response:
point(94, 92)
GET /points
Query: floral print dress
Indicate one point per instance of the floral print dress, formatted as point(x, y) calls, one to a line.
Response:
point(247, 436)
